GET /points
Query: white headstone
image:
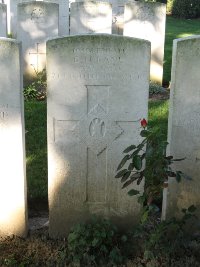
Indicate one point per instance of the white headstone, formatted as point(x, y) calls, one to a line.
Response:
point(97, 94)
point(37, 21)
point(63, 16)
point(12, 15)
point(147, 21)
point(13, 204)
point(184, 126)
point(118, 15)
point(3, 20)
point(90, 17)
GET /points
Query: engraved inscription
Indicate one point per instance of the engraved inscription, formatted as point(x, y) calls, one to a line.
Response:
point(37, 54)
point(37, 15)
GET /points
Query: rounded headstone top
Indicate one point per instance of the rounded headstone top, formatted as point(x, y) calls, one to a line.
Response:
point(100, 37)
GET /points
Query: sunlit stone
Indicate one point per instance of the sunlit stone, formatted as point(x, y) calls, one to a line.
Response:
point(184, 126)
point(13, 206)
point(90, 17)
point(147, 21)
point(97, 94)
point(37, 21)
point(3, 20)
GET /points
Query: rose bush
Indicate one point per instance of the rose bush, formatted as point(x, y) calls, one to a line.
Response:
point(156, 171)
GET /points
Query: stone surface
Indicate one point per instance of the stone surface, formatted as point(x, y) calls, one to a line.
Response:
point(37, 21)
point(63, 15)
point(90, 17)
point(97, 94)
point(13, 206)
point(147, 21)
point(118, 15)
point(184, 126)
point(3, 20)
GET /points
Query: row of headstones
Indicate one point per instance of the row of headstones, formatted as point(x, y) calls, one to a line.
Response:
point(38, 21)
point(97, 94)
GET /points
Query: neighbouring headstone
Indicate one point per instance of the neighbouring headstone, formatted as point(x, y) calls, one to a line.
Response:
point(63, 16)
point(118, 15)
point(184, 126)
point(12, 15)
point(90, 17)
point(13, 203)
point(147, 21)
point(3, 20)
point(97, 94)
point(37, 21)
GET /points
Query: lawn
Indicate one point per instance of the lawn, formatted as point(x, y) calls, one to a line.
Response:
point(177, 28)
point(36, 149)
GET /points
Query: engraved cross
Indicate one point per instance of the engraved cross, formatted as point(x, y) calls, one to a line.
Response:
point(37, 53)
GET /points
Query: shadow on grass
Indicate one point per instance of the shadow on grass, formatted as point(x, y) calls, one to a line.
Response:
point(36, 150)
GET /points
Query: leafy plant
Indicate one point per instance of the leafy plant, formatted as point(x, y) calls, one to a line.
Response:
point(97, 243)
point(30, 92)
point(9, 35)
point(157, 169)
point(184, 8)
point(157, 238)
point(155, 88)
point(37, 89)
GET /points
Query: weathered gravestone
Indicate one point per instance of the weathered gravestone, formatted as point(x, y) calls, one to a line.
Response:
point(118, 15)
point(97, 94)
point(12, 15)
point(13, 207)
point(90, 17)
point(147, 21)
point(184, 126)
point(63, 15)
point(3, 20)
point(37, 21)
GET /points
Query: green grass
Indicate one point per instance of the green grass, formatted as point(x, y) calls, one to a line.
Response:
point(177, 28)
point(36, 149)
point(158, 116)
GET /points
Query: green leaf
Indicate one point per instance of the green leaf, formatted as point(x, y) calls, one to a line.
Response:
point(133, 177)
point(124, 160)
point(120, 173)
point(144, 133)
point(133, 192)
point(139, 180)
point(192, 209)
point(130, 148)
point(178, 177)
point(137, 161)
point(169, 157)
point(140, 146)
point(179, 159)
point(171, 174)
point(131, 167)
point(125, 177)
